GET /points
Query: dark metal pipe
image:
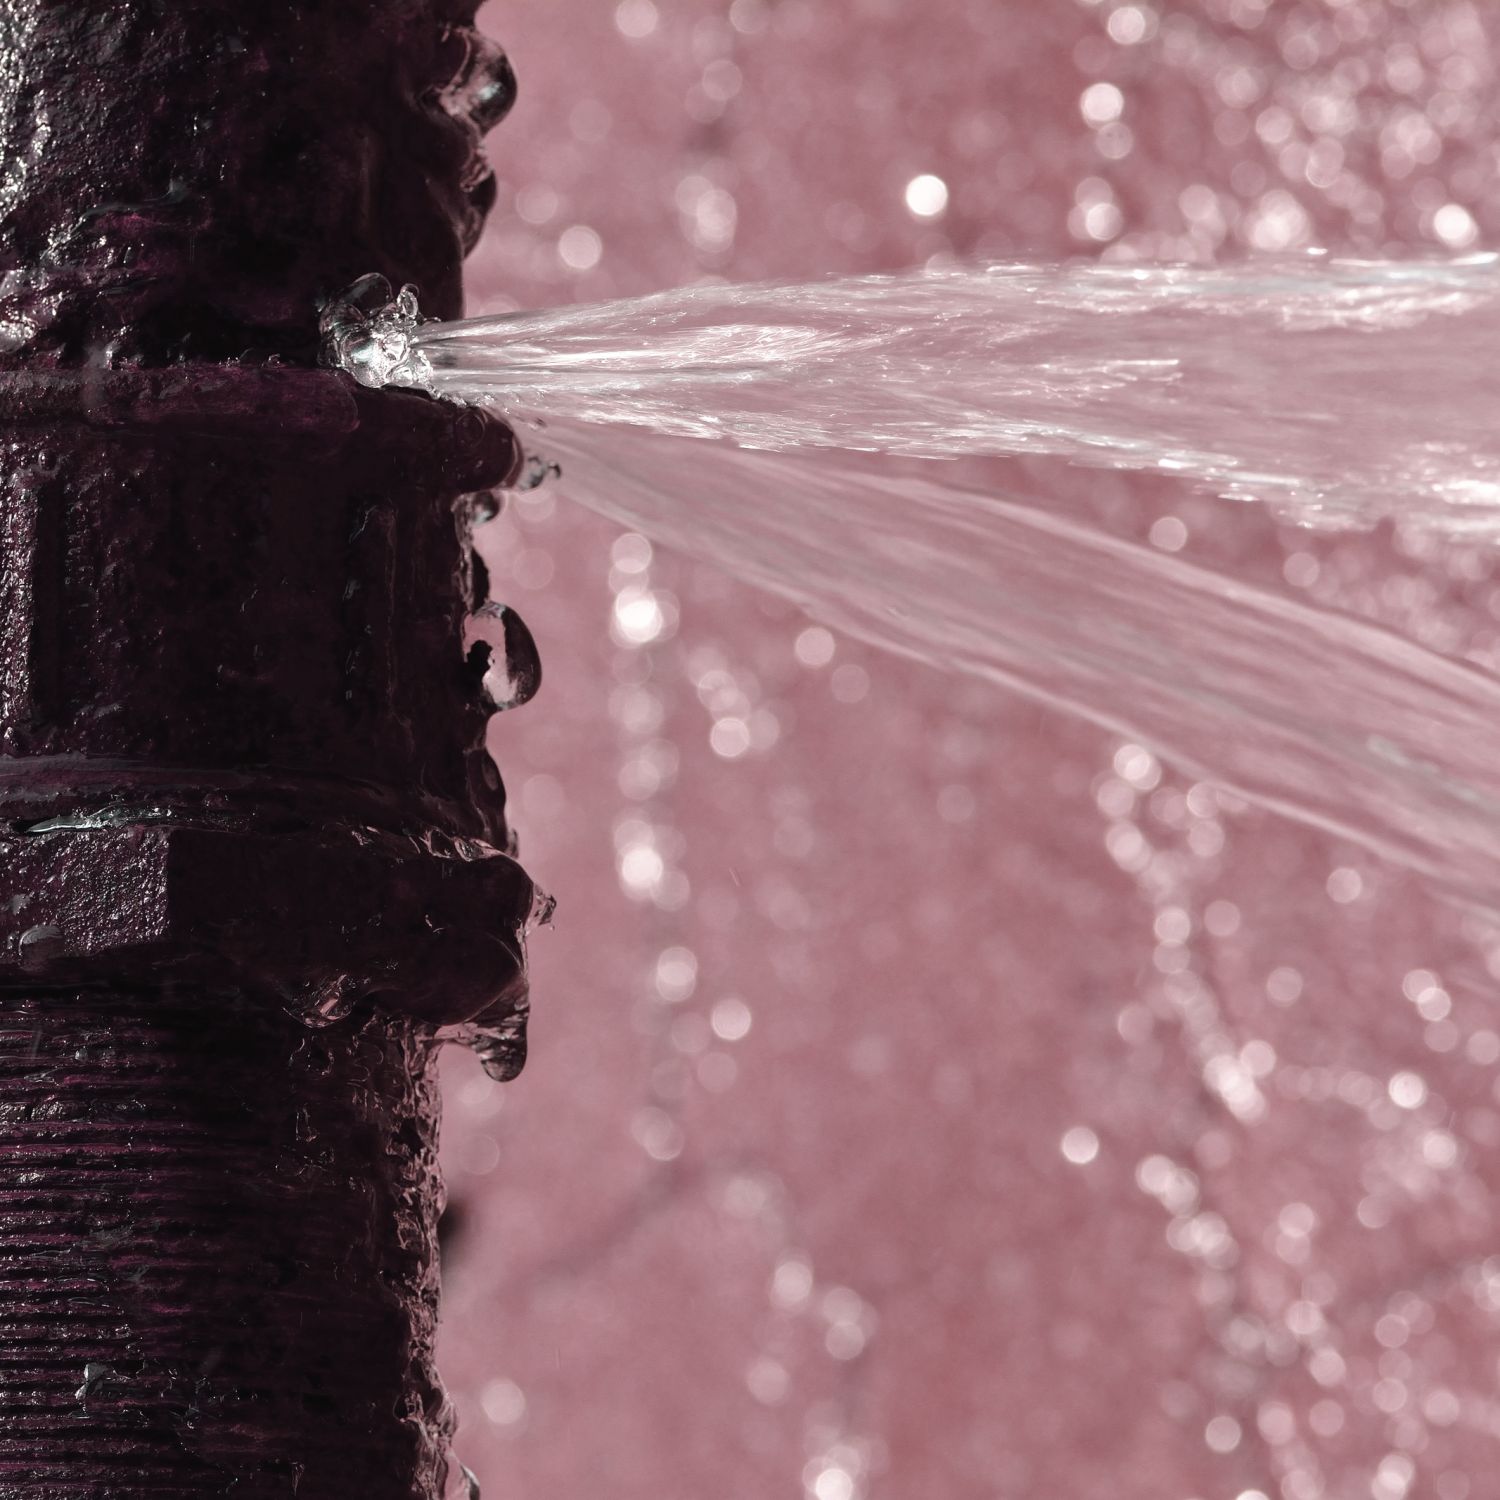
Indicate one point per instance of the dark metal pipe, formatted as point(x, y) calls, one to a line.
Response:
point(251, 849)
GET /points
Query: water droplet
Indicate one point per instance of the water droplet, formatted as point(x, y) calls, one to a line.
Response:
point(94, 1375)
point(501, 1049)
point(543, 909)
point(326, 1004)
point(500, 647)
point(497, 1038)
point(365, 297)
point(537, 472)
point(484, 88)
point(481, 506)
point(460, 1483)
point(406, 305)
point(367, 332)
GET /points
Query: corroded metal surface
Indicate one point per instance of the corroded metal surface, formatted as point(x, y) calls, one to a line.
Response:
point(252, 853)
point(215, 1270)
point(184, 181)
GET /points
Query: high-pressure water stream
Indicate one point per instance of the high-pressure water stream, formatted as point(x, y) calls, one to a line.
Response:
point(1339, 393)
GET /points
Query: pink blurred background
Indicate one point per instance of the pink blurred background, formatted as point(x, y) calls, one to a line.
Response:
point(932, 1097)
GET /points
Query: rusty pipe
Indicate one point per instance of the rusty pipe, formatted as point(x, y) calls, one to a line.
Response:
point(253, 857)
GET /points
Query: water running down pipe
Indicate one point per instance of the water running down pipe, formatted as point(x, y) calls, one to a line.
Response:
point(250, 843)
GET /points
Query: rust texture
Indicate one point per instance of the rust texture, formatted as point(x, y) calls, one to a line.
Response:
point(252, 853)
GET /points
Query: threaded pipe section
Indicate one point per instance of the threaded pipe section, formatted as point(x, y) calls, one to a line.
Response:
point(217, 1268)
